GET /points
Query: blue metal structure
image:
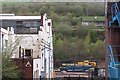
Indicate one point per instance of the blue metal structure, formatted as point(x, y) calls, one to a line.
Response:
point(115, 14)
point(113, 62)
point(113, 45)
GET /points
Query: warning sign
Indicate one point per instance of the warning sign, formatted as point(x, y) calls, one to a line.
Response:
point(28, 64)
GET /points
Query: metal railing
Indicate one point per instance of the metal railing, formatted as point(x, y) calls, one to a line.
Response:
point(114, 9)
point(113, 62)
point(115, 14)
point(113, 53)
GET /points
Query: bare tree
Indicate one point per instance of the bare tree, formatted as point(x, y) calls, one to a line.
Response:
point(9, 69)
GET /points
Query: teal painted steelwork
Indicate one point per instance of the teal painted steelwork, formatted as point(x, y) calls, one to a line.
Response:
point(113, 50)
point(113, 63)
point(115, 14)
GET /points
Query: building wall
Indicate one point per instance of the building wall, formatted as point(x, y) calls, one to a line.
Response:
point(101, 23)
point(26, 66)
point(28, 42)
point(11, 36)
point(37, 68)
point(6, 38)
point(37, 46)
point(47, 47)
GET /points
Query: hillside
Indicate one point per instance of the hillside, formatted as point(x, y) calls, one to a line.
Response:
point(72, 41)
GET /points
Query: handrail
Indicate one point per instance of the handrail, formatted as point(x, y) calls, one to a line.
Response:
point(114, 9)
point(110, 52)
point(113, 54)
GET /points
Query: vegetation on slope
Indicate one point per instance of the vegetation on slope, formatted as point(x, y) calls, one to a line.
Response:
point(72, 41)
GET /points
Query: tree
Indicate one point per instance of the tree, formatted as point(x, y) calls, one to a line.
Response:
point(87, 42)
point(74, 21)
point(9, 69)
point(93, 36)
point(100, 49)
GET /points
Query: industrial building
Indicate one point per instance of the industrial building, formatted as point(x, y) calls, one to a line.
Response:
point(113, 40)
point(32, 40)
point(98, 21)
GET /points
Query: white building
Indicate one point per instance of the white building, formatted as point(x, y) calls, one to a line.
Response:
point(34, 51)
point(6, 38)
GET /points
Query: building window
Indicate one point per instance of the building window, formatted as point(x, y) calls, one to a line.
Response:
point(6, 43)
point(49, 24)
point(19, 22)
point(26, 24)
point(33, 24)
point(10, 29)
point(22, 52)
point(37, 65)
point(19, 52)
point(28, 53)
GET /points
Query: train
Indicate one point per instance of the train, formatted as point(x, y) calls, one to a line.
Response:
point(75, 68)
point(87, 63)
point(81, 66)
